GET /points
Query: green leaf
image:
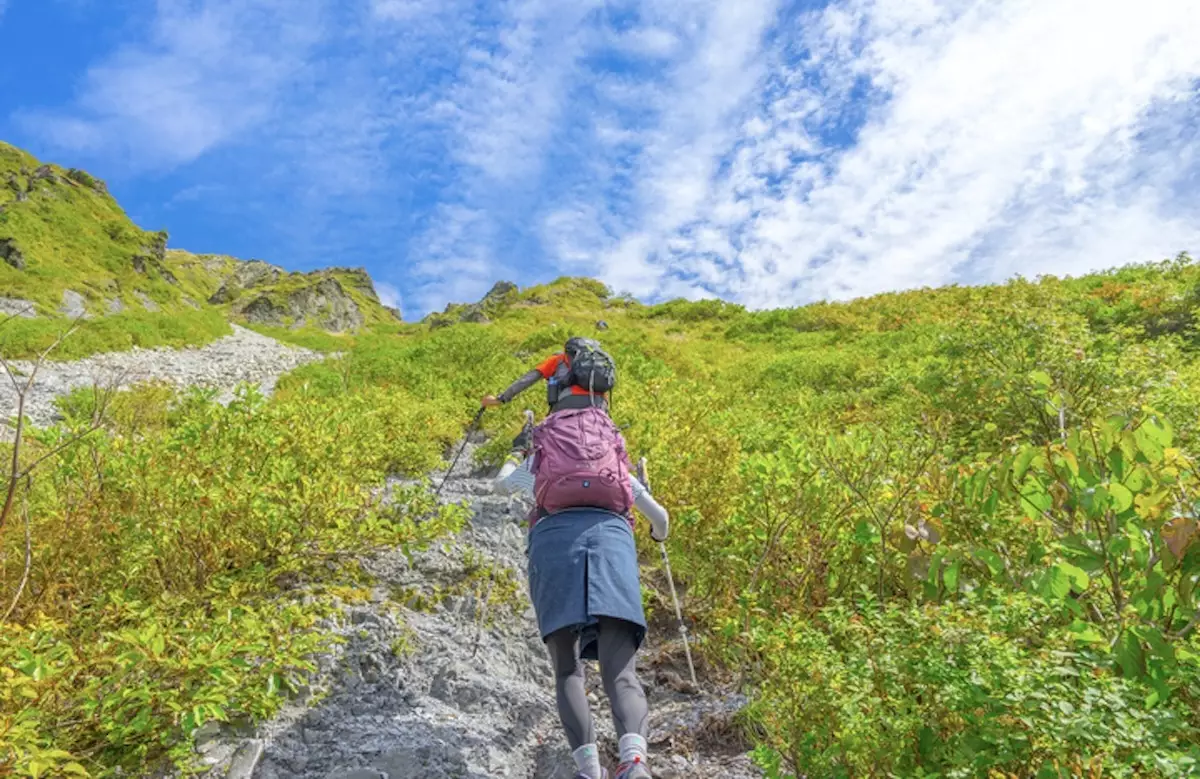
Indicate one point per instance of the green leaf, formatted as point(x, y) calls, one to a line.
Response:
point(1160, 433)
point(993, 561)
point(950, 576)
point(1122, 498)
point(1056, 584)
point(1085, 632)
point(1035, 499)
point(1077, 577)
point(1129, 655)
point(1041, 378)
point(1022, 461)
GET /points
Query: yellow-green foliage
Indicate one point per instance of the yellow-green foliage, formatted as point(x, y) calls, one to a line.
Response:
point(66, 233)
point(74, 235)
point(939, 533)
point(23, 338)
point(153, 604)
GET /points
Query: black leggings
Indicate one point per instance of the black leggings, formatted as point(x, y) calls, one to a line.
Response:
point(617, 650)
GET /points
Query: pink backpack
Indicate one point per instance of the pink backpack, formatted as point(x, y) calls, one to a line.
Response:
point(580, 461)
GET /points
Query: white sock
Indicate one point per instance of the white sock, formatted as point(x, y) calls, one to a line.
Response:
point(587, 760)
point(633, 747)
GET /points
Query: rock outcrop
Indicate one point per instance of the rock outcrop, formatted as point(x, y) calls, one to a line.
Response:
point(261, 293)
point(323, 303)
point(502, 294)
point(248, 275)
point(152, 258)
point(11, 253)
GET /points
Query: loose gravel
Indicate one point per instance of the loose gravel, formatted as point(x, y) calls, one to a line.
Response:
point(244, 356)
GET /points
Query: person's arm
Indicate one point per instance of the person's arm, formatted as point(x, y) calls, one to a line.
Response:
point(643, 501)
point(543, 371)
point(520, 385)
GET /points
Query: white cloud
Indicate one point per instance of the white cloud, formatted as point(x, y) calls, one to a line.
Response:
point(509, 100)
point(1000, 138)
point(207, 72)
point(675, 147)
point(402, 10)
point(389, 295)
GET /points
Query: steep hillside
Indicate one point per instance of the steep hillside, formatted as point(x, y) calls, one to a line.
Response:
point(68, 247)
point(950, 532)
point(69, 251)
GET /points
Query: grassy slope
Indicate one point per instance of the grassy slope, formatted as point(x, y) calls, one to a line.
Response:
point(74, 236)
point(748, 418)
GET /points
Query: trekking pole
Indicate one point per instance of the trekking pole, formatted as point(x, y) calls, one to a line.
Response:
point(662, 545)
point(461, 449)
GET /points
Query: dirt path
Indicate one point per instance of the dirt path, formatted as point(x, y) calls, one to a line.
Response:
point(459, 690)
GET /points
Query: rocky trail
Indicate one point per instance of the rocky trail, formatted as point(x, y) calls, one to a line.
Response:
point(243, 356)
point(462, 687)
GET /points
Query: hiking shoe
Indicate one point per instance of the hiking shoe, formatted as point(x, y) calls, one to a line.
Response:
point(635, 770)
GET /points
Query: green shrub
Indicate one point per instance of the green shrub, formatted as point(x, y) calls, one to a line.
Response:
point(26, 338)
point(957, 691)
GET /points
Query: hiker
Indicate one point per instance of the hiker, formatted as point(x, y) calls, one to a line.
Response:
point(580, 376)
point(583, 572)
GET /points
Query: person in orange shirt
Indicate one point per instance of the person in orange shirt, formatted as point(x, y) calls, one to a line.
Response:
point(563, 391)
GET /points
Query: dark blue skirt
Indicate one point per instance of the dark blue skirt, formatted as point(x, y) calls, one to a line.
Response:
point(583, 566)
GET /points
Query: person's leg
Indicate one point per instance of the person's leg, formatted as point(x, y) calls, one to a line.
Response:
point(572, 700)
point(618, 669)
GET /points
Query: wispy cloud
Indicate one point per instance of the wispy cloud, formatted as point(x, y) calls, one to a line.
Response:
point(766, 151)
point(206, 73)
point(993, 139)
point(503, 112)
point(388, 295)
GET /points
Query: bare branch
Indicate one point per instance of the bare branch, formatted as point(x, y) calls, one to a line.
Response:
point(12, 606)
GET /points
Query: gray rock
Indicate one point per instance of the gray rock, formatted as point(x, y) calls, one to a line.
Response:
point(245, 760)
point(114, 306)
point(18, 307)
point(145, 300)
point(46, 173)
point(11, 254)
point(73, 305)
point(357, 773)
point(324, 303)
point(264, 311)
point(243, 357)
point(500, 291)
point(246, 275)
point(474, 313)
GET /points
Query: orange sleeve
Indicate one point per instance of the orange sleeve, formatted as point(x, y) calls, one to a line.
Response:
point(549, 365)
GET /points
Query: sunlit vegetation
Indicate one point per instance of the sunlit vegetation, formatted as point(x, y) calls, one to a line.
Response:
point(943, 532)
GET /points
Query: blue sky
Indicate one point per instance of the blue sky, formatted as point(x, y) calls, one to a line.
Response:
point(763, 151)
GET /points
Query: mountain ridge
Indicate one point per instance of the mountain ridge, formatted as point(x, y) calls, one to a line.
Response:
point(70, 250)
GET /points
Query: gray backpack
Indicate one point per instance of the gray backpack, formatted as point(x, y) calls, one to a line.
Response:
point(591, 367)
